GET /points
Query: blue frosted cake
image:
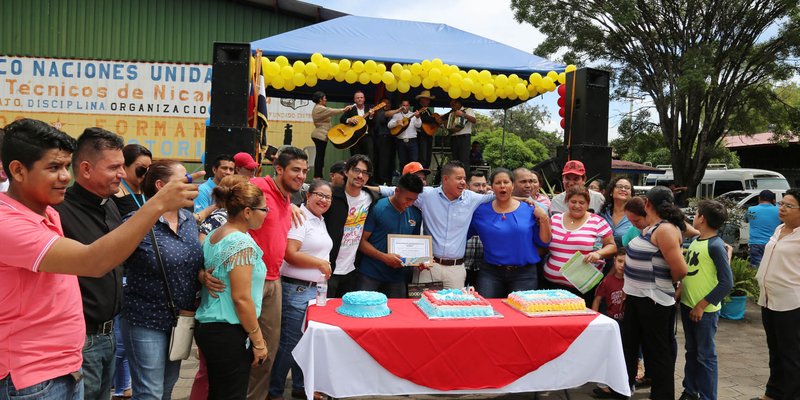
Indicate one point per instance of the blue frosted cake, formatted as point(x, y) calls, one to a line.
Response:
point(364, 304)
point(454, 303)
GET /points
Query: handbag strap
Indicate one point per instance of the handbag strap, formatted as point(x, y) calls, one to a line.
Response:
point(170, 302)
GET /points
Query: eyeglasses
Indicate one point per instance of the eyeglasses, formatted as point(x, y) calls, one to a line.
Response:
point(787, 205)
point(622, 187)
point(322, 196)
point(264, 209)
point(359, 171)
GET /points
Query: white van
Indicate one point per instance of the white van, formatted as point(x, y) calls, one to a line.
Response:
point(723, 180)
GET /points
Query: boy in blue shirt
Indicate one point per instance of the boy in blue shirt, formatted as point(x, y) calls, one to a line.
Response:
point(763, 219)
point(708, 281)
point(380, 270)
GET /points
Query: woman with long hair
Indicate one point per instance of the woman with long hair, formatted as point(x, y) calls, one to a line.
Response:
point(228, 333)
point(617, 194)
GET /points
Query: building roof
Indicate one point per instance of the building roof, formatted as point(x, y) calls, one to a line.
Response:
point(758, 139)
point(622, 166)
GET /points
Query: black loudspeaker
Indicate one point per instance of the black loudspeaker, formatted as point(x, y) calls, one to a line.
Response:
point(230, 84)
point(586, 108)
point(551, 172)
point(228, 140)
point(596, 159)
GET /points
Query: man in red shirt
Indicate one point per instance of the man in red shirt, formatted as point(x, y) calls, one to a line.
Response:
point(291, 168)
point(42, 329)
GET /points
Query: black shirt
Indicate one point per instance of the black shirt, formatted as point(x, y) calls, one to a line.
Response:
point(86, 217)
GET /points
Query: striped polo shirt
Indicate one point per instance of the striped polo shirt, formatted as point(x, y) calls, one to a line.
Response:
point(647, 274)
point(566, 242)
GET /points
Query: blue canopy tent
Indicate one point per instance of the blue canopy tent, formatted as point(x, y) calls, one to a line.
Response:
point(397, 41)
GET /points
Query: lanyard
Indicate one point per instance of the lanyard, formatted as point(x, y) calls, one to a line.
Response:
point(134, 194)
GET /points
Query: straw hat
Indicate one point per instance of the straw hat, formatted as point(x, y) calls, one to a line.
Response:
point(426, 94)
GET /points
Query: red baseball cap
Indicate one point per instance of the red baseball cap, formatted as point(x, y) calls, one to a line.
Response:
point(414, 167)
point(245, 160)
point(574, 167)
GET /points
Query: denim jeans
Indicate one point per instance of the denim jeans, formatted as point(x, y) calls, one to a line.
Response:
point(700, 371)
point(392, 290)
point(293, 311)
point(98, 366)
point(407, 151)
point(756, 253)
point(153, 375)
point(498, 281)
point(122, 374)
point(61, 388)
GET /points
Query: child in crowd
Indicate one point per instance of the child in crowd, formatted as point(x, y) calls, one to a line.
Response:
point(610, 293)
point(702, 289)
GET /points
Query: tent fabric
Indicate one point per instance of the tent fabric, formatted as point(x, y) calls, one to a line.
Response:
point(388, 40)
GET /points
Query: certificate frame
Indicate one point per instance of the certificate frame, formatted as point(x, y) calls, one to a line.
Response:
point(413, 249)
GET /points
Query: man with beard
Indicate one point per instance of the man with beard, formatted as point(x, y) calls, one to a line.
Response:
point(345, 223)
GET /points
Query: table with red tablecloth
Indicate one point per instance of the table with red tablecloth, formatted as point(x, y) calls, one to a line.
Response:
point(406, 353)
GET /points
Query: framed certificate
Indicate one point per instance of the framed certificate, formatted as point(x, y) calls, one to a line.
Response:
point(413, 249)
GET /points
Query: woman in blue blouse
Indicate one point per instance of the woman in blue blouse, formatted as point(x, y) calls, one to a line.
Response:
point(617, 194)
point(146, 320)
point(228, 333)
point(512, 234)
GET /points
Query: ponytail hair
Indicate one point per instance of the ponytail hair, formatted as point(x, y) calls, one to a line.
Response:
point(226, 183)
point(239, 196)
point(663, 202)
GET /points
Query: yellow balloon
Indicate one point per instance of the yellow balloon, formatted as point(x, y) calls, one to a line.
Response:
point(358, 66)
point(491, 99)
point(535, 79)
point(454, 92)
point(427, 83)
point(277, 82)
point(282, 61)
point(363, 78)
point(324, 63)
point(299, 79)
point(455, 80)
point(553, 75)
point(444, 84)
point(322, 73)
point(437, 62)
point(264, 65)
point(520, 89)
point(562, 78)
point(375, 77)
point(467, 84)
point(344, 65)
point(500, 80)
point(289, 86)
point(405, 75)
point(397, 69)
point(370, 66)
point(570, 68)
point(488, 89)
point(415, 81)
point(513, 79)
point(512, 96)
point(416, 69)
point(339, 76)
point(465, 94)
point(252, 66)
point(381, 68)
point(351, 76)
point(484, 76)
point(435, 74)
point(479, 96)
point(299, 67)
point(473, 74)
point(333, 68)
point(525, 96)
point(387, 78)
point(403, 87)
point(311, 81)
point(462, 74)
point(391, 86)
point(311, 68)
point(316, 58)
point(287, 72)
point(426, 65)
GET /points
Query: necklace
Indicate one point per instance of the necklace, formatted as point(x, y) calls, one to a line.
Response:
point(504, 210)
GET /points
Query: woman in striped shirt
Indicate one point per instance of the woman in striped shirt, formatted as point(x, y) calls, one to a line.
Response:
point(653, 262)
point(577, 230)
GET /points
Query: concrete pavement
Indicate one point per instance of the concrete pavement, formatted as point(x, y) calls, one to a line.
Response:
point(743, 367)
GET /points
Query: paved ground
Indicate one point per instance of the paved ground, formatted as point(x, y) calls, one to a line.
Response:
point(743, 370)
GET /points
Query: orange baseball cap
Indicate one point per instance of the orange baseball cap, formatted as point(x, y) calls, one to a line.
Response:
point(414, 167)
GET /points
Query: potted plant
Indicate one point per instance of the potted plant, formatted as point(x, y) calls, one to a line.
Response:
point(744, 285)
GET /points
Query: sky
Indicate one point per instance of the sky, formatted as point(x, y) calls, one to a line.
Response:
point(492, 19)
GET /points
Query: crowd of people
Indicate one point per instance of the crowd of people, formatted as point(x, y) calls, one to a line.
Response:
point(93, 288)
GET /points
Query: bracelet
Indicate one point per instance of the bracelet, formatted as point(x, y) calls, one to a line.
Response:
point(254, 330)
point(260, 348)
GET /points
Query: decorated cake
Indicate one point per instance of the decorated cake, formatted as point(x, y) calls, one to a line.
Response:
point(546, 301)
point(454, 303)
point(364, 304)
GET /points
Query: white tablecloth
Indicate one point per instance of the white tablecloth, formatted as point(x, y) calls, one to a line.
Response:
point(334, 364)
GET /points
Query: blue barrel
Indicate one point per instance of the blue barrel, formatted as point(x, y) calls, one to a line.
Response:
point(733, 309)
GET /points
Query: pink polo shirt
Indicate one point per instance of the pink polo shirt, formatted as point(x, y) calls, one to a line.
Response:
point(42, 330)
point(273, 234)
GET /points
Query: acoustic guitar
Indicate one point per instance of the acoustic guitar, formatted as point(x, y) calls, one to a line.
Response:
point(403, 124)
point(345, 136)
point(430, 128)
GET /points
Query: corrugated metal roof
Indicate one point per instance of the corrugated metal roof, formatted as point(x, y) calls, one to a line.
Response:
point(143, 30)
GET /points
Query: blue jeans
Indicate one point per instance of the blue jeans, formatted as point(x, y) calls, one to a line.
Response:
point(293, 311)
point(61, 388)
point(498, 281)
point(756, 253)
point(122, 374)
point(407, 151)
point(700, 372)
point(392, 290)
point(98, 366)
point(153, 375)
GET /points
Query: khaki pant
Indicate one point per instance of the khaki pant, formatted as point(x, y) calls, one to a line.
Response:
point(270, 323)
point(452, 276)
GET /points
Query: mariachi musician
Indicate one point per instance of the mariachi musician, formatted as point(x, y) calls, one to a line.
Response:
point(459, 126)
point(364, 145)
point(407, 150)
point(424, 140)
point(384, 144)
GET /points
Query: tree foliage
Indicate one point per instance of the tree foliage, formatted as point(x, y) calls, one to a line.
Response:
point(527, 121)
point(768, 108)
point(694, 59)
point(518, 153)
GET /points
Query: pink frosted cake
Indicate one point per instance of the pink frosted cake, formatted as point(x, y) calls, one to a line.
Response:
point(545, 301)
point(454, 303)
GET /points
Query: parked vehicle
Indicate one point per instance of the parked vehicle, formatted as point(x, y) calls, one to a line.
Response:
point(718, 180)
point(743, 200)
